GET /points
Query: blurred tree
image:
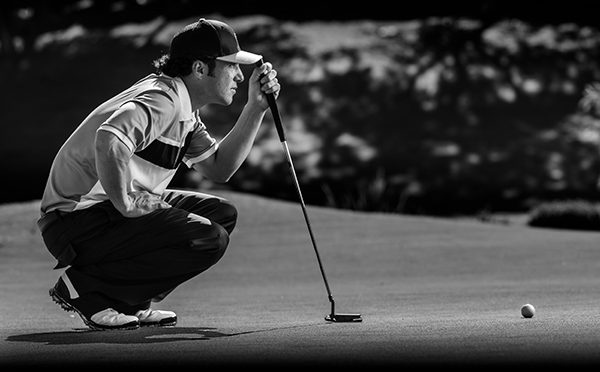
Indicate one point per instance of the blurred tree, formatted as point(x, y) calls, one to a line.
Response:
point(23, 20)
point(466, 117)
point(436, 116)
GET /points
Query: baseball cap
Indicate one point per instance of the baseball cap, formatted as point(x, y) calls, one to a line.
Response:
point(213, 39)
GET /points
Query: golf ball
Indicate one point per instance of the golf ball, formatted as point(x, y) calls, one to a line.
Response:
point(527, 310)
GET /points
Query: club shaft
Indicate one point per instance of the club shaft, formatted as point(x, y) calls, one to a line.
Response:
point(306, 219)
point(281, 134)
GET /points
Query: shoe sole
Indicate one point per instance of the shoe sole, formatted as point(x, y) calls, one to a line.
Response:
point(169, 322)
point(92, 325)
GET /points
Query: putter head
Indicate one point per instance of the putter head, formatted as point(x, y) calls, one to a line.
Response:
point(344, 318)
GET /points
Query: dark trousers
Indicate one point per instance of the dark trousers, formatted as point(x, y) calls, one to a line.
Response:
point(125, 263)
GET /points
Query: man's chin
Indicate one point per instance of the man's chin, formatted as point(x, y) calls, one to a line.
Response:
point(224, 102)
point(228, 100)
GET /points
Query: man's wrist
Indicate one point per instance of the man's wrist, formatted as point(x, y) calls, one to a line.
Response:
point(123, 205)
point(255, 109)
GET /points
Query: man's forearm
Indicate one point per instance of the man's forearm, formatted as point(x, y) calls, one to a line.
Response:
point(112, 158)
point(235, 146)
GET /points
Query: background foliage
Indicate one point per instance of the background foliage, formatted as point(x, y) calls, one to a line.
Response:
point(441, 115)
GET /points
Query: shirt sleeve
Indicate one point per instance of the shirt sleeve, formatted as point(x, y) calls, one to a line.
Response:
point(201, 147)
point(139, 124)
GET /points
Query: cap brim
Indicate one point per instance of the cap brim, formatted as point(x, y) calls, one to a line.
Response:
point(241, 57)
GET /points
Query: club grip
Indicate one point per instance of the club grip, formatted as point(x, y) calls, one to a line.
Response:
point(274, 110)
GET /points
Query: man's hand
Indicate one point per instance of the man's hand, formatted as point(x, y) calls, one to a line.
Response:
point(263, 80)
point(142, 203)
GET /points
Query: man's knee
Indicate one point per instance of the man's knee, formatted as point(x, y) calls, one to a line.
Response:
point(214, 241)
point(227, 215)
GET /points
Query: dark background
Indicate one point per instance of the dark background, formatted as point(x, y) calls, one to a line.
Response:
point(62, 13)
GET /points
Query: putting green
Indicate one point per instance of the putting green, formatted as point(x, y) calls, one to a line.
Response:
point(430, 290)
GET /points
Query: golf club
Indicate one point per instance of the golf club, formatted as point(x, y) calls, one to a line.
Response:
point(332, 317)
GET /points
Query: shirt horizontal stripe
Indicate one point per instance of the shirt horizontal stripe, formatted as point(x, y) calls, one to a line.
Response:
point(169, 141)
point(205, 155)
point(120, 135)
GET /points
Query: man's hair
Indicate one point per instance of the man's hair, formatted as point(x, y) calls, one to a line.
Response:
point(180, 66)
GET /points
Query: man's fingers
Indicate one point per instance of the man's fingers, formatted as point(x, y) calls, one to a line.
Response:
point(269, 76)
point(271, 87)
point(269, 84)
point(148, 201)
point(264, 68)
point(267, 79)
point(159, 204)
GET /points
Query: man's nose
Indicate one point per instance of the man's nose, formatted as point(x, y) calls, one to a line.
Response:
point(239, 76)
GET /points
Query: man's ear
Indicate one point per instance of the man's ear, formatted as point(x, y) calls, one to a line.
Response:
point(199, 69)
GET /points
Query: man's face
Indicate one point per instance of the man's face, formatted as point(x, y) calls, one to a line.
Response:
point(226, 77)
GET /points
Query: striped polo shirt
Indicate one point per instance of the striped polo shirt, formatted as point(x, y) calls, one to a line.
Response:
point(163, 133)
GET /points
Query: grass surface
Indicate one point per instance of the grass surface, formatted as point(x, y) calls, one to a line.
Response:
point(431, 291)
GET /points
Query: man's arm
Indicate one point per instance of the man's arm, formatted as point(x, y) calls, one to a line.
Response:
point(236, 145)
point(112, 159)
point(234, 148)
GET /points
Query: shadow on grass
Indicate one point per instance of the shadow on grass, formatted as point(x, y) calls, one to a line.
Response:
point(138, 336)
point(146, 335)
